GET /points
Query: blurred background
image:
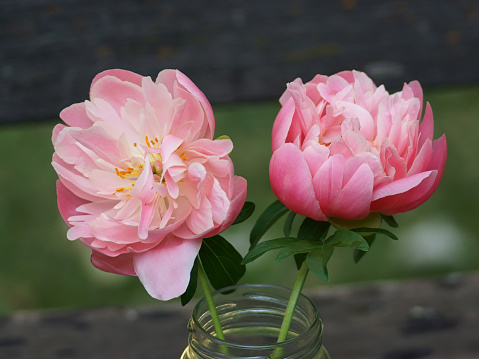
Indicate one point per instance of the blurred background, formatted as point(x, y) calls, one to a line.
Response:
point(241, 54)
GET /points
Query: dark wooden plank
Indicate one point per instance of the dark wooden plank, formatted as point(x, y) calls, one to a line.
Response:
point(233, 50)
point(434, 318)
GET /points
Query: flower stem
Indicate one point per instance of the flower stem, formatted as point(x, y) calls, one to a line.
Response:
point(209, 300)
point(293, 300)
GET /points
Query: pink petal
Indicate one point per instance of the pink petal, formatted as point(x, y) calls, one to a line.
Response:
point(282, 124)
point(403, 192)
point(426, 128)
point(116, 92)
point(76, 116)
point(169, 77)
point(291, 182)
point(122, 264)
point(67, 201)
point(165, 269)
point(148, 210)
point(123, 75)
point(237, 201)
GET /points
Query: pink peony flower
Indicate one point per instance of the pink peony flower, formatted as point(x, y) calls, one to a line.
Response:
point(344, 148)
point(141, 180)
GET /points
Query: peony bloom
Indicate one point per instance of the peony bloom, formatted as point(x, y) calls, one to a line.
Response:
point(344, 148)
point(141, 180)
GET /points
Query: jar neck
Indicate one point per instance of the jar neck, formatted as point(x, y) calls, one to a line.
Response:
point(251, 317)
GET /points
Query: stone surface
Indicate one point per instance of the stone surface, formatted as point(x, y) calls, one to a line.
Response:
point(432, 319)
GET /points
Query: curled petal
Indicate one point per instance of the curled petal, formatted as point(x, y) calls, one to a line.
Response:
point(122, 264)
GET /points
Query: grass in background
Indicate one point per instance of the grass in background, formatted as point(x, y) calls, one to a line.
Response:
point(40, 268)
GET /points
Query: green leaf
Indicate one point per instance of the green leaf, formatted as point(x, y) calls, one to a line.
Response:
point(270, 215)
point(267, 246)
point(367, 231)
point(246, 212)
point(347, 238)
point(191, 289)
point(301, 246)
point(221, 262)
point(299, 259)
point(390, 221)
point(358, 254)
point(313, 230)
point(288, 224)
point(317, 261)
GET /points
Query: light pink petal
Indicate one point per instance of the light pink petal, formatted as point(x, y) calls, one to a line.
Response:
point(237, 201)
point(115, 91)
point(76, 116)
point(122, 264)
point(146, 216)
point(426, 128)
point(169, 145)
point(291, 182)
point(282, 124)
point(366, 121)
point(143, 189)
point(169, 77)
point(417, 93)
point(200, 221)
point(123, 75)
point(210, 148)
point(165, 270)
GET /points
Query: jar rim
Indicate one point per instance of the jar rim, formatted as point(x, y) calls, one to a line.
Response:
point(213, 338)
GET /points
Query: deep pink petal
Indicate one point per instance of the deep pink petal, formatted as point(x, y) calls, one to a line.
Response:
point(403, 192)
point(67, 201)
point(291, 182)
point(122, 264)
point(165, 270)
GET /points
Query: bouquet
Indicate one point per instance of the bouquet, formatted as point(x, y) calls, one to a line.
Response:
point(144, 184)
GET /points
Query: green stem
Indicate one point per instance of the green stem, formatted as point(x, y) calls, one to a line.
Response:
point(209, 300)
point(293, 301)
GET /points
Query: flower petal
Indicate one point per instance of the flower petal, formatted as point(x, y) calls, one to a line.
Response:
point(165, 269)
point(291, 182)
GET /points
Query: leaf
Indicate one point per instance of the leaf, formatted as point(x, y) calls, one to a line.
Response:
point(267, 246)
point(313, 230)
point(221, 262)
point(270, 215)
point(301, 246)
point(317, 261)
point(347, 238)
point(245, 213)
point(390, 221)
point(288, 224)
point(368, 231)
point(191, 289)
point(358, 254)
point(299, 259)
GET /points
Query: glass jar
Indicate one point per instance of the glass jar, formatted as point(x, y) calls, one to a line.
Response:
point(251, 317)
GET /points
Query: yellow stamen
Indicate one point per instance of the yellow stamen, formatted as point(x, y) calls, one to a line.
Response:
point(120, 189)
point(147, 141)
